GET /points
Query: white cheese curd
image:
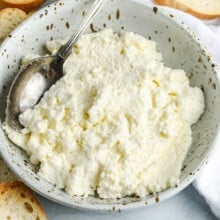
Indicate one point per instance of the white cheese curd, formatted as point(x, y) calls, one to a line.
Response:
point(117, 123)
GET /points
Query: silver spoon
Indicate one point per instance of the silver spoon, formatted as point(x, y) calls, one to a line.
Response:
point(41, 73)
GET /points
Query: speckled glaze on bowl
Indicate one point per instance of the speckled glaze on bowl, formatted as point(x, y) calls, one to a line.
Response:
point(180, 49)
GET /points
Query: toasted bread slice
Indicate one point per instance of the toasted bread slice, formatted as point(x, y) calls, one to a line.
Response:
point(1, 6)
point(25, 5)
point(17, 202)
point(205, 9)
point(9, 19)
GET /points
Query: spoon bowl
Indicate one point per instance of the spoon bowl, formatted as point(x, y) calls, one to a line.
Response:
point(29, 86)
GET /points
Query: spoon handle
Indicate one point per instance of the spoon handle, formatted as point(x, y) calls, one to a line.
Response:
point(65, 50)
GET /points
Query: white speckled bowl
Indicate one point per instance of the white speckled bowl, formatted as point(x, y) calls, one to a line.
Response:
point(180, 49)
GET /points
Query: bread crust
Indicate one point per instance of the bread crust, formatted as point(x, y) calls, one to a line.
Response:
point(10, 18)
point(17, 201)
point(25, 5)
point(181, 6)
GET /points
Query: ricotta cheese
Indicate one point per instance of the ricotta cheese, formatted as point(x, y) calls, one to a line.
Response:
point(117, 123)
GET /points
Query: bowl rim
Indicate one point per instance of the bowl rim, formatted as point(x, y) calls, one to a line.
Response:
point(168, 193)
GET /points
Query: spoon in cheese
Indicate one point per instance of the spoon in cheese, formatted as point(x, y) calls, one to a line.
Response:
point(41, 73)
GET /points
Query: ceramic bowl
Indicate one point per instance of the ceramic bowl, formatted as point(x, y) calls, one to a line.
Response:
point(180, 49)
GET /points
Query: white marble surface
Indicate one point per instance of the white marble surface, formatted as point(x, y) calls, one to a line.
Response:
point(187, 205)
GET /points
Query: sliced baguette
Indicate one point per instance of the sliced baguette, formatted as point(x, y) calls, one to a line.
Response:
point(17, 202)
point(204, 9)
point(25, 5)
point(9, 19)
point(1, 6)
